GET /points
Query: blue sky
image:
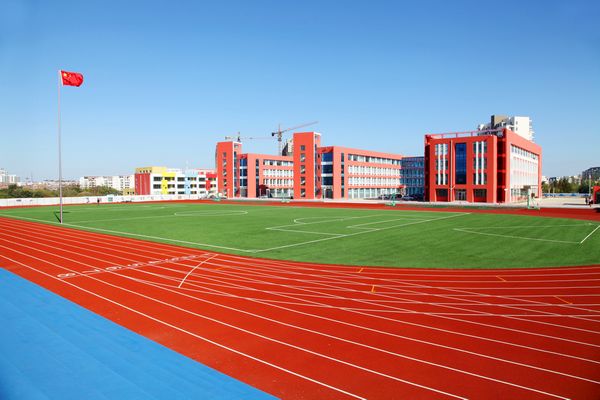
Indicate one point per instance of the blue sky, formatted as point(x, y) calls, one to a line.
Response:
point(165, 80)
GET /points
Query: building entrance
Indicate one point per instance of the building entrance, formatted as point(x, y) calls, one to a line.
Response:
point(460, 194)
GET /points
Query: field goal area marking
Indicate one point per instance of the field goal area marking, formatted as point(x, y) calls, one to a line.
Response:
point(341, 235)
point(252, 251)
point(474, 231)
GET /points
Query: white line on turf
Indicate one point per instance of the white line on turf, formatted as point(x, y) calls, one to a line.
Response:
point(357, 233)
point(474, 231)
point(135, 235)
point(337, 236)
point(585, 238)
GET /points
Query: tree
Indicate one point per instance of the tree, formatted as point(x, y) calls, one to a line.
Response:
point(545, 187)
point(564, 186)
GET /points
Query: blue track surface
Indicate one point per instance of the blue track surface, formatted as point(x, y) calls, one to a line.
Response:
point(51, 348)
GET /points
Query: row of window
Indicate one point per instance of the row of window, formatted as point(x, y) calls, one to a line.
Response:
point(279, 163)
point(523, 170)
point(413, 173)
point(278, 172)
point(373, 181)
point(365, 170)
point(374, 160)
point(369, 193)
point(413, 164)
point(478, 179)
point(413, 181)
point(522, 152)
point(278, 182)
point(441, 148)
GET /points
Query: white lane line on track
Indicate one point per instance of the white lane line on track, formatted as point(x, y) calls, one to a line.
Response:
point(193, 269)
point(509, 383)
point(181, 271)
point(195, 284)
point(241, 330)
point(473, 322)
point(440, 295)
point(315, 353)
point(169, 288)
point(193, 334)
point(79, 234)
point(458, 319)
point(439, 315)
point(407, 285)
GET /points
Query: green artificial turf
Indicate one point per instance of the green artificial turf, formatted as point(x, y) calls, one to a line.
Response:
point(391, 237)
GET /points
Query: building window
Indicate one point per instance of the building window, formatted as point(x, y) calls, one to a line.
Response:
point(480, 193)
point(302, 147)
point(460, 170)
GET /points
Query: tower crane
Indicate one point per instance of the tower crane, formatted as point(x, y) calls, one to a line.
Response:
point(238, 137)
point(279, 133)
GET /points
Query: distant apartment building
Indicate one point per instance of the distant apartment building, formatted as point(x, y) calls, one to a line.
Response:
point(163, 180)
point(590, 173)
point(307, 171)
point(122, 183)
point(8, 179)
point(494, 165)
point(522, 126)
point(413, 176)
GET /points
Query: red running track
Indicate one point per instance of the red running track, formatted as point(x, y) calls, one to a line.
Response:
point(309, 331)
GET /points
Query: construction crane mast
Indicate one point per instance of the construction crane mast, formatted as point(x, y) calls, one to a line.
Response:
point(279, 133)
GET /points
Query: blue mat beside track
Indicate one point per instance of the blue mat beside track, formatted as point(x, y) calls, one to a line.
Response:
point(51, 348)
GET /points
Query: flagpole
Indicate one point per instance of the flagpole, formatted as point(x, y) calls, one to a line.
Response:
point(59, 154)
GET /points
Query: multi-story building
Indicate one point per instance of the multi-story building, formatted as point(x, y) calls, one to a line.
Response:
point(8, 179)
point(492, 166)
point(163, 180)
point(121, 183)
point(590, 173)
point(265, 176)
point(307, 171)
point(413, 176)
point(519, 125)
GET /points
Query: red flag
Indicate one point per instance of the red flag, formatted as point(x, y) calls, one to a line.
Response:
point(71, 78)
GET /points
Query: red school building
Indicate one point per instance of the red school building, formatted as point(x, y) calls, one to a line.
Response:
point(309, 172)
point(492, 166)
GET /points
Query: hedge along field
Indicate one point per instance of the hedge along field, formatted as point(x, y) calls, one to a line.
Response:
point(383, 237)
